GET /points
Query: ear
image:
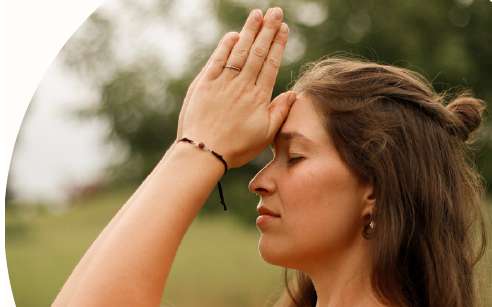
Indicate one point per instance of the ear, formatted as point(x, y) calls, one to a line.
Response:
point(368, 199)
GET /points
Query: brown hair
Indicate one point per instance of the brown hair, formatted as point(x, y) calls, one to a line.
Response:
point(392, 128)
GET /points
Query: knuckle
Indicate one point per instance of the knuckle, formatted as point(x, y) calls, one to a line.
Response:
point(241, 52)
point(273, 62)
point(271, 26)
point(219, 59)
point(259, 51)
point(279, 39)
point(250, 27)
point(204, 88)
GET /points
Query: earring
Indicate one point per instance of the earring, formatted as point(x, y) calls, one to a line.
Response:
point(372, 224)
point(365, 232)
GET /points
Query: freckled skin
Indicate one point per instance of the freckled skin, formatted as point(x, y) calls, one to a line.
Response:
point(320, 201)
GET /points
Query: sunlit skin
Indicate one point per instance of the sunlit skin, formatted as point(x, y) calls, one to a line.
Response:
point(229, 111)
point(312, 210)
point(320, 204)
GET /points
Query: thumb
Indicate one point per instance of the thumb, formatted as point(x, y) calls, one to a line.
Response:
point(279, 109)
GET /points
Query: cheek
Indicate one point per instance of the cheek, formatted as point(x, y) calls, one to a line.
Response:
point(322, 207)
point(319, 187)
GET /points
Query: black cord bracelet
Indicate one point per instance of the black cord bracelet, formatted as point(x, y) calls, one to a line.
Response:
point(204, 147)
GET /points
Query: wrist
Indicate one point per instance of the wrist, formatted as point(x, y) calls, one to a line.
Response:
point(201, 159)
point(204, 148)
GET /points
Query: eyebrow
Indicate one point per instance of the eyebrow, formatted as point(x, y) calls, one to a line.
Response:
point(286, 136)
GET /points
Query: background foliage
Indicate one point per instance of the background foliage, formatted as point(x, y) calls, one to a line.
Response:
point(140, 56)
point(141, 90)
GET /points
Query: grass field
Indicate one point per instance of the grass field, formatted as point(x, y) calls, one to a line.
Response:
point(217, 264)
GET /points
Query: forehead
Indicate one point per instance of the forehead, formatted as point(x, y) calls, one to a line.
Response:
point(304, 119)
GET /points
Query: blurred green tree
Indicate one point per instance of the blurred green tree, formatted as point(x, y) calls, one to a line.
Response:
point(141, 88)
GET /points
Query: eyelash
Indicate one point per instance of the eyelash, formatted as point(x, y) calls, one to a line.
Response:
point(295, 160)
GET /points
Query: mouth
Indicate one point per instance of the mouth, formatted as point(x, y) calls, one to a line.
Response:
point(266, 215)
point(265, 211)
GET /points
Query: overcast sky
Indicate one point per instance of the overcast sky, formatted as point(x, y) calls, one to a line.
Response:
point(56, 152)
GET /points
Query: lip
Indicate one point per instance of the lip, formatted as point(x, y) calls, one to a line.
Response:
point(266, 215)
point(262, 210)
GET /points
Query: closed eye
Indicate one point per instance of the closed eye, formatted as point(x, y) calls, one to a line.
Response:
point(295, 160)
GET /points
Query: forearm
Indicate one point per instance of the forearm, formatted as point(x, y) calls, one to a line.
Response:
point(132, 265)
point(71, 284)
point(129, 264)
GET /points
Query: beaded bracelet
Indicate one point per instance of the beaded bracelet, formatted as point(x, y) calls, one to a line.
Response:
point(204, 147)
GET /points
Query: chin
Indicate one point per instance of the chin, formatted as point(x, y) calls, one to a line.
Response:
point(267, 251)
point(274, 254)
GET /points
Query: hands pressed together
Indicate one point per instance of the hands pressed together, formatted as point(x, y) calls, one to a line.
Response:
point(228, 108)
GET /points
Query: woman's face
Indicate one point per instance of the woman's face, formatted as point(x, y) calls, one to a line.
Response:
point(312, 205)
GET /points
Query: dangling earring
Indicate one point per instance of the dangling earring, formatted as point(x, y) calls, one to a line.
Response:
point(365, 232)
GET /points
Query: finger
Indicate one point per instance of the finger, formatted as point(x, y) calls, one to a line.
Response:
point(191, 88)
point(269, 70)
point(247, 36)
point(279, 109)
point(261, 46)
point(218, 61)
point(269, 11)
point(197, 79)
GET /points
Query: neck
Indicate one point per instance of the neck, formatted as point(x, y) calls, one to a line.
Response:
point(345, 281)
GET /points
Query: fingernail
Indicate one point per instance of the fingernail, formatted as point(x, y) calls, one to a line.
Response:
point(257, 15)
point(234, 36)
point(277, 13)
point(283, 29)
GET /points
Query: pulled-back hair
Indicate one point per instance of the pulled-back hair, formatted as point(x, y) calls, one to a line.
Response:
point(391, 128)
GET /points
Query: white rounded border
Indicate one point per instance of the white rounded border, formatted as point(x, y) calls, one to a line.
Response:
point(32, 35)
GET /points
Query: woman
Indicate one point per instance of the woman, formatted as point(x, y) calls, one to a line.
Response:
point(391, 197)
point(369, 194)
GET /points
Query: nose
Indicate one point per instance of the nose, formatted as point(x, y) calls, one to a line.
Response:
point(263, 184)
